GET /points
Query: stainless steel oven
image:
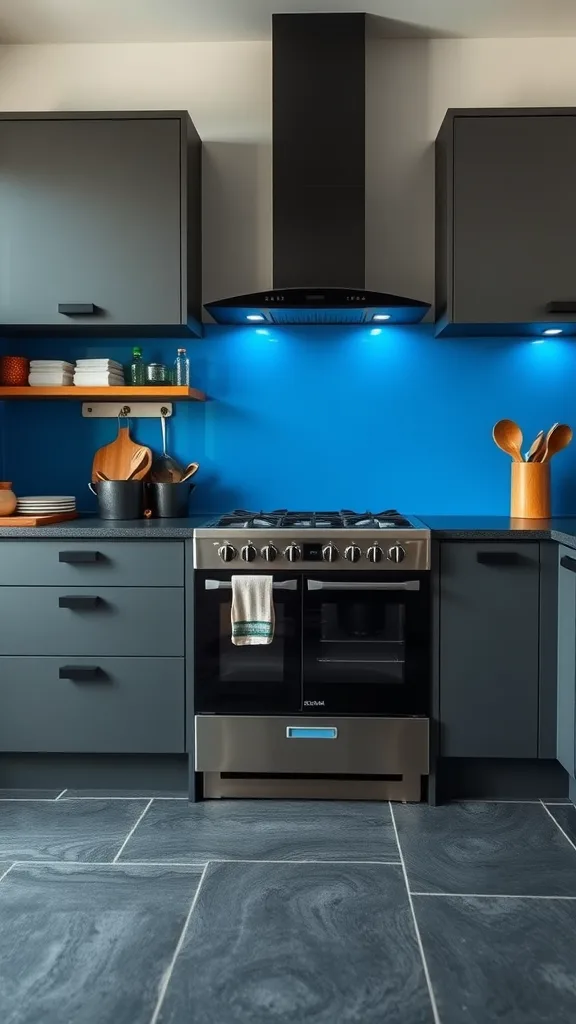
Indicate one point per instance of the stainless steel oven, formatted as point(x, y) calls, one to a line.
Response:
point(337, 705)
point(352, 646)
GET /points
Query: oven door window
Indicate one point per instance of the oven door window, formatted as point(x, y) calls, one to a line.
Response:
point(366, 644)
point(262, 678)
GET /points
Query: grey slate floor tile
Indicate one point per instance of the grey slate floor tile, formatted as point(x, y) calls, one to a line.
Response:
point(509, 960)
point(263, 830)
point(87, 830)
point(293, 943)
point(87, 944)
point(566, 818)
point(493, 849)
point(29, 794)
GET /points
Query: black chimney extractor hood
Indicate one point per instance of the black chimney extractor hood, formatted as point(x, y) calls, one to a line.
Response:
point(318, 104)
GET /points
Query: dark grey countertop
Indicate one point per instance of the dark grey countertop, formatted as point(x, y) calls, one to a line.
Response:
point(93, 527)
point(561, 528)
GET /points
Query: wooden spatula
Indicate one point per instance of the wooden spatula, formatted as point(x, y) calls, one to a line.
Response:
point(117, 460)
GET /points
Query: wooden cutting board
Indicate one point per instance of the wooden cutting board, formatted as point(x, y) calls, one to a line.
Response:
point(19, 520)
point(114, 460)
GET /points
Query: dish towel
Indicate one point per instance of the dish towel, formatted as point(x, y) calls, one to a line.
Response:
point(252, 610)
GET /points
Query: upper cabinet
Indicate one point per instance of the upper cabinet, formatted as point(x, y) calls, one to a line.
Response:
point(100, 223)
point(506, 221)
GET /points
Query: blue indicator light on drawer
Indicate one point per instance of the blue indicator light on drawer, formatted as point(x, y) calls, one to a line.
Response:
point(294, 732)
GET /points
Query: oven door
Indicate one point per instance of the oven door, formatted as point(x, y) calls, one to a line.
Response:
point(367, 643)
point(260, 679)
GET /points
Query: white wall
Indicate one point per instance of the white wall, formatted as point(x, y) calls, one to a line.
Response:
point(226, 88)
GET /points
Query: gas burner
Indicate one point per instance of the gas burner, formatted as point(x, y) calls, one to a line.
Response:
point(388, 520)
point(240, 519)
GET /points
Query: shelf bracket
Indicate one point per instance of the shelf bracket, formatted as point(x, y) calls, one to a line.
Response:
point(135, 410)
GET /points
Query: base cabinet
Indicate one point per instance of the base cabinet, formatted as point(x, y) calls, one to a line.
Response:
point(488, 649)
point(566, 722)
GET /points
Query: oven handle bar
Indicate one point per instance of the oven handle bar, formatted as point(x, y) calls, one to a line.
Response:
point(335, 585)
point(226, 585)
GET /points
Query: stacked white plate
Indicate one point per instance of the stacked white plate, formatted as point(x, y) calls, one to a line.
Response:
point(46, 504)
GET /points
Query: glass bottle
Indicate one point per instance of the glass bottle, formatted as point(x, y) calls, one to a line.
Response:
point(182, 368)
point(137, 368)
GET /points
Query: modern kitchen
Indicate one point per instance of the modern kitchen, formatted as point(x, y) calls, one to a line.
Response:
point(287, 512)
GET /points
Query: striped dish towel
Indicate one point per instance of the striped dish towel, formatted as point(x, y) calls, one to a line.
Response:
point(252, 610)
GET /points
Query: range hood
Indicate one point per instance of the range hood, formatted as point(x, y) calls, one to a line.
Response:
point(318, 150)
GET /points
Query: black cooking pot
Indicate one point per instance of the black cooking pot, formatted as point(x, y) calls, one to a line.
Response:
point(119, 499)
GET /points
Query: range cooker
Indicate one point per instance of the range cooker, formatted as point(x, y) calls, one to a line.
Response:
point(337, 705)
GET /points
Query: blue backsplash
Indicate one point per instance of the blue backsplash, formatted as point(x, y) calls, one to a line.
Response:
point(327, 417)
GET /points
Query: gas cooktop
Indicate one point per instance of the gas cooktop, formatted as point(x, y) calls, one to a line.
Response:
point(283, 519)
point(343, 540)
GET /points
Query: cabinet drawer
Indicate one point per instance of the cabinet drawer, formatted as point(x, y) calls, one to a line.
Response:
point(104, 621)
point(113, 563)
point(99, 706)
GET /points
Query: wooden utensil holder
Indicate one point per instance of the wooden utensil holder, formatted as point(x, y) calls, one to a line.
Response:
point(530, 490)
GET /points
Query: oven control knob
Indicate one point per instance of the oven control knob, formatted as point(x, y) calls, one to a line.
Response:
point(292, 553)
point(227, 553)
point(396, 553)
point(269, 552)
point(374, 553)
point(248, 552)
point(352, 553)
point(329, 553)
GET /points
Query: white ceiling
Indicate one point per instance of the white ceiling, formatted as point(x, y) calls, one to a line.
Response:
point(150, 21)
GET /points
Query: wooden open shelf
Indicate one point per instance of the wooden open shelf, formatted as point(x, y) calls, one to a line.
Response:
point(164, 392)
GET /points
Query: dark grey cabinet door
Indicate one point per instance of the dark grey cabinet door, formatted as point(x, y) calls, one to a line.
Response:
point(90, 213)
point(92, 705)
point(566, 732)
point(514, 218)
point(489, 624)
point(92, 621)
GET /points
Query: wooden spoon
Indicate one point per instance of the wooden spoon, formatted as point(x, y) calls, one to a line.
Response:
point(543, 449)
point(190, 470)
point(140, 461)
point(559, 436)
point(508, 436)
point(533, 449)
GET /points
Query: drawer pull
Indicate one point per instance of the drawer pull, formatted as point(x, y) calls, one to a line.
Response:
point(78, 602)
point(568, 563)
point(82, 673)
point(77, 308)
point(498, 557)
point(299, 732)
point(77, 557)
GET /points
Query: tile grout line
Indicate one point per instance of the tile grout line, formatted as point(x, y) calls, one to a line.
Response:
point(170, 970)
point(491, 896)
point(60, 795)
point(435, 1013)
point(558, 826)
point(133, 829)
point(254, 860)
point(8, 869)
point(195, 864)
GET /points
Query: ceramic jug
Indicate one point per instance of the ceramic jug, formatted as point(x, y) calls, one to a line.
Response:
point(8, 500)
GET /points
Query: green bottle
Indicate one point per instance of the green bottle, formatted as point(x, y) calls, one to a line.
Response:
point(137, 368)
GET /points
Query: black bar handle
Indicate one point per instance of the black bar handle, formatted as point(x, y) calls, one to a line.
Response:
point(77, 602)
point(77, 308)
point(81, 673)
point(75, 557)
point(498, 557)
point(562, 307)
point(568, 563)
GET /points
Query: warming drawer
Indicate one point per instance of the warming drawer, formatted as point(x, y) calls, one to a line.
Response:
point(295, 745)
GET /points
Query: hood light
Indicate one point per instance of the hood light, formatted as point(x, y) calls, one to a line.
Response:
point(381, 316)
point(255, 317)
point(553, 330)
